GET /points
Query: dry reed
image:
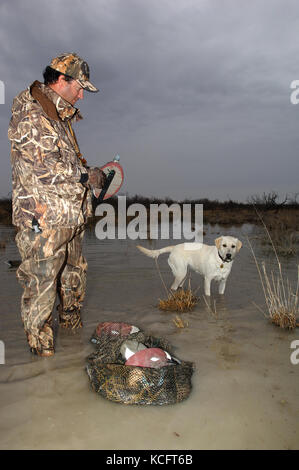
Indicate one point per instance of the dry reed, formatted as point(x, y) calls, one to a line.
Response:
point(281, 299)
point(211, 310)
point(178, 301)
point(179, 322)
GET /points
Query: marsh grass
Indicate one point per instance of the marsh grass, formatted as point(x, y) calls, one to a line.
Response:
point(179, 322)
point(286, 242)
point(280, 297)
point(282, 302)
point(179, 301)
point(211, 308)
point(283, 226)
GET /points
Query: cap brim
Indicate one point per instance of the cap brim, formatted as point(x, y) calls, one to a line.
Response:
point(88, 86)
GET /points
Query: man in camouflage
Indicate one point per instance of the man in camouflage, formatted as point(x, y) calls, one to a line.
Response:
point(51, 198)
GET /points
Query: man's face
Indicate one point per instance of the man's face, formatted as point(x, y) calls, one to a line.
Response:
point(71, 91)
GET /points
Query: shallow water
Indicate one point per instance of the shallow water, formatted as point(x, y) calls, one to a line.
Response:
point(245, 388)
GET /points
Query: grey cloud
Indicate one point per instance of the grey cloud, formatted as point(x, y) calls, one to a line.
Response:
point(193, 94)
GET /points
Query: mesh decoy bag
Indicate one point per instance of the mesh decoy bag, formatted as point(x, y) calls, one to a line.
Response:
point(112, 379)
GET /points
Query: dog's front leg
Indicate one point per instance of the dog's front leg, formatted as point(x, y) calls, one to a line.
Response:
point(222, 286)
point(207, 286)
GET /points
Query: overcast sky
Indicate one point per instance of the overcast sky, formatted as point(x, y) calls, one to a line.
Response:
point(194, 94)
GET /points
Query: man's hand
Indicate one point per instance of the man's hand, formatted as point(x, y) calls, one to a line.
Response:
point(96, 178)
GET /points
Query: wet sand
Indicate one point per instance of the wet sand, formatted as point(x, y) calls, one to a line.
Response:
point(245, 388)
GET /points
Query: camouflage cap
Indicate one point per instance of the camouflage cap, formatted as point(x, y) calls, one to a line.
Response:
point(72, 65)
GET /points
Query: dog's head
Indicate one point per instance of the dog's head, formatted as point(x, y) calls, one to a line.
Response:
point(228, 247)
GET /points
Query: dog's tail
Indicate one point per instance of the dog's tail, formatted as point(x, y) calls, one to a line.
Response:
point(155, 253)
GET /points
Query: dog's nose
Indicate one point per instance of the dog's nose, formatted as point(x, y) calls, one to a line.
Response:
point(228, 255)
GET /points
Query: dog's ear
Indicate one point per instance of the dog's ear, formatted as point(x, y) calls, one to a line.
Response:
point(218, 242)
point(239, 245)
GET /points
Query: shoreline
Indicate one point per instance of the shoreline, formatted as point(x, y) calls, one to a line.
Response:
point(226, 213)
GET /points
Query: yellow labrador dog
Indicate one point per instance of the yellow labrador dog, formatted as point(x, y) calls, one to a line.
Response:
point(212, 262)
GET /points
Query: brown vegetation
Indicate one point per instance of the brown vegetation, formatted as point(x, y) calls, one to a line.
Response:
point(179, 301)
point(282, 299)
point(226, 213)
point(282, 219)
point(283, 227)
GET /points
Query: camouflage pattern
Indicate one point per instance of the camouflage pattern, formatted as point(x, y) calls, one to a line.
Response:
point(46, 169)
point(46, 188)
point(72, 65)
point(52, 262)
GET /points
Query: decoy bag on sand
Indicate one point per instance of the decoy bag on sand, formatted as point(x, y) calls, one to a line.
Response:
point(111, 378)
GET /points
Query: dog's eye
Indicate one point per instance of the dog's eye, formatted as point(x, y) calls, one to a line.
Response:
point(224, 245)
point(233, 246)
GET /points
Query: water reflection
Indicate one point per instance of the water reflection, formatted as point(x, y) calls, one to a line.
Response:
point(245, 388)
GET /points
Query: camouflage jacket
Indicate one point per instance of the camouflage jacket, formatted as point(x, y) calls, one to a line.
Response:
point(45, 167)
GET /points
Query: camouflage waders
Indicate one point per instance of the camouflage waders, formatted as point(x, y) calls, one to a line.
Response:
point(52, 263)
point(50, 189)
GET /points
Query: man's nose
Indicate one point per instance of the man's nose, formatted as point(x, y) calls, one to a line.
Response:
point(80, 95)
